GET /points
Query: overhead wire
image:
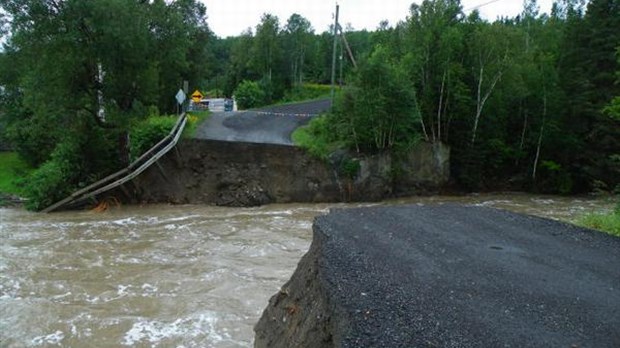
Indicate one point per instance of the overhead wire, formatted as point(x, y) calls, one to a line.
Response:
point(480, 5)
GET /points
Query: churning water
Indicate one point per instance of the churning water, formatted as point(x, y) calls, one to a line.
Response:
point(168, 276)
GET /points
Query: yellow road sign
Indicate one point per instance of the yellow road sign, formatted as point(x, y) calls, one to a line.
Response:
point(197, 96)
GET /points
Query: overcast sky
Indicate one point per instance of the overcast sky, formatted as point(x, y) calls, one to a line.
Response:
point(231, 17)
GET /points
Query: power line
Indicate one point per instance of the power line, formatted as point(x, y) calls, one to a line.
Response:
point(481, 5)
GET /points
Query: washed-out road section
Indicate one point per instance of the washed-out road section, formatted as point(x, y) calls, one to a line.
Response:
point(270, 125)
point(448, 276)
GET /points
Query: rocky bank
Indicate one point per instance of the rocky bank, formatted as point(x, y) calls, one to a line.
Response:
point(448, 276)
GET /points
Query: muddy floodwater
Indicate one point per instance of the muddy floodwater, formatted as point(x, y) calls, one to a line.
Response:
point(170, 276)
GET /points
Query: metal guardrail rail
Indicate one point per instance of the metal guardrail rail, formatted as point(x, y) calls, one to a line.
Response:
point(128, 173)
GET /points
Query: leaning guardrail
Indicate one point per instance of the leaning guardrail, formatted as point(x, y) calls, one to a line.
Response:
point(122, 176)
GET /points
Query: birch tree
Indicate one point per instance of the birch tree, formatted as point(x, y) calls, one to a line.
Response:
point(297, 35)
point(491, 55)
point(435, 44)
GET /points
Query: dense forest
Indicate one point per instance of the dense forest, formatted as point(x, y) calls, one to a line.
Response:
point(528, 103)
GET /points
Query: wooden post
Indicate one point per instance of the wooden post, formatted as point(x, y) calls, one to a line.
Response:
point(333, 92)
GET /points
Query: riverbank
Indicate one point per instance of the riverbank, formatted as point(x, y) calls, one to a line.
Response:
point(447, 275)
point(249, 174)
point(9, 200)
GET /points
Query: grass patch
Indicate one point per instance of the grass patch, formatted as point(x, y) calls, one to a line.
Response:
point(12, 171)
point(314, 139)
point(606, 222)
point(194, 118)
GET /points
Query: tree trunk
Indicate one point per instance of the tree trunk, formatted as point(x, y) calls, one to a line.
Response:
point(523, 130)
point(422, 123)
point(540, 136)
point(481, 100)
point(447, 122)
point(443, 84)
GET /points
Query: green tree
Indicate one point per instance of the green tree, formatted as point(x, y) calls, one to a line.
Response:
point(240, 67)
point(379, 111)
point(435, 45)
point(267, 57)
point(297, 36)
point(77, 74)
point(249, 95)
point(489, 49)
point(588, 65)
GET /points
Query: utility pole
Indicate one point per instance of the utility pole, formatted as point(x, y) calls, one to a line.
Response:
point(346, 45)
point(186, 91)
point(334, 55)
point(340, 57)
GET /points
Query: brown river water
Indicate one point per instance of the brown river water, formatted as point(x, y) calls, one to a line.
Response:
point(171, 276)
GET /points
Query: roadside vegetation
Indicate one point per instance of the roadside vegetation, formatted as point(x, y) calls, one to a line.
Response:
point(525, 103)
point(316, 138)
point(194, 118)
point(606, 222)
point(12, 171)
point(147, 133)
point(250, 94)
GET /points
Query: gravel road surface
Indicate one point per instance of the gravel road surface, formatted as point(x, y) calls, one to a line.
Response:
point(457, 276)
point(272, 125)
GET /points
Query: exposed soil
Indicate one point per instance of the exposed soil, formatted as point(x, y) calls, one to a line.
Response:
point(250, 174)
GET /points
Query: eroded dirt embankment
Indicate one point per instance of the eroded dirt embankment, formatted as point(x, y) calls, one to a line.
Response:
point(249, 174)
point(448, 276)
point(300, 315)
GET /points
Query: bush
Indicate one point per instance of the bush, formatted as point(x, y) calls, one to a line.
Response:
point(317, 137)
point(56, 178)
point(46, 186)
point(31, 140)
point(12, 172)
point(149, 132)
point(249, 95)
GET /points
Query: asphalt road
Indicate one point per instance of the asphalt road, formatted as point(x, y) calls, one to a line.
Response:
point(456, 276)
point(272, 125)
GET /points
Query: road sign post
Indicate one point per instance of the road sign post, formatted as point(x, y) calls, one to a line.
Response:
point(180, 97)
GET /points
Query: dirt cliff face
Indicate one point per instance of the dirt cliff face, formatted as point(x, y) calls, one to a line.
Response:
point(299, 315)
point(248, 174)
